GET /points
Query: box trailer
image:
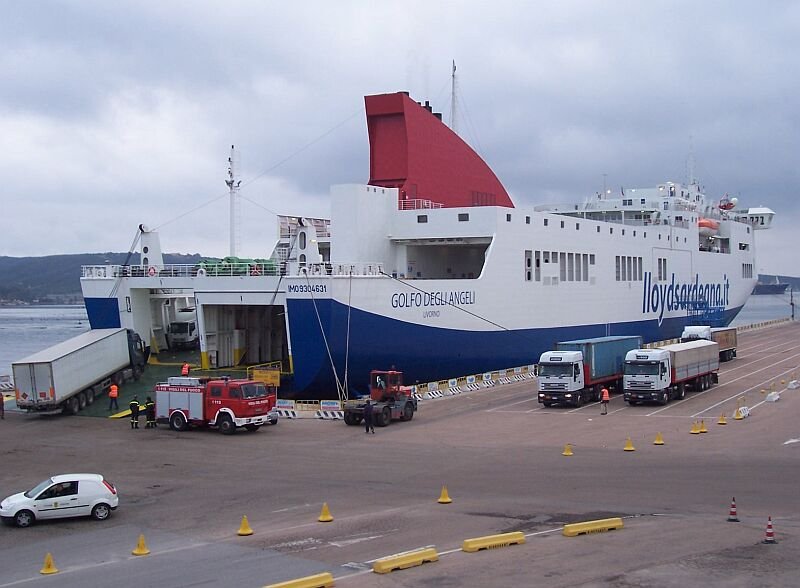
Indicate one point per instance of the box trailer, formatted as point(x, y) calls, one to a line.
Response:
point(725, 337)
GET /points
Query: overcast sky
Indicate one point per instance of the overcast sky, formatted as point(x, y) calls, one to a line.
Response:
point(119, 113)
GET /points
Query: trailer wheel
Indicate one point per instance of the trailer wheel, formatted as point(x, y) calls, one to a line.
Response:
point(90, 394)
point(177, 422)
point(73, 405)
point(225, 424)
point(81, 400)
point(408, 411)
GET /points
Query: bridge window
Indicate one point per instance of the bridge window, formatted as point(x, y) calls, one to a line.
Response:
point(422, 218)
point(463, 217)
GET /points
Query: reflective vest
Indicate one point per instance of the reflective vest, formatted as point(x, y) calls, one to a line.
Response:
point(605, 395)
point(185, 369)
point(113, 391)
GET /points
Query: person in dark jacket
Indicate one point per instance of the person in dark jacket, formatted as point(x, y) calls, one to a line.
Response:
point(368, 426)
point(134, 406)
point(150, 413)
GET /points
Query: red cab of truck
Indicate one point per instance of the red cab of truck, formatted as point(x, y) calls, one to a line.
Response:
point(225, 403)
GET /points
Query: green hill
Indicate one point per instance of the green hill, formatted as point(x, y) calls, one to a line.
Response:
point(55, 279)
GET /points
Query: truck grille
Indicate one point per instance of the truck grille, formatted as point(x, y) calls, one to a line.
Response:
point(634, 385)
point(551, 386)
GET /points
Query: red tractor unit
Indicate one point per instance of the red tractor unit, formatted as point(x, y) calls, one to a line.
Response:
point(226, 404)
point(391, 400)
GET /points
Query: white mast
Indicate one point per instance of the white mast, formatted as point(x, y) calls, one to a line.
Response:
point(233, 187)
point(453, 100)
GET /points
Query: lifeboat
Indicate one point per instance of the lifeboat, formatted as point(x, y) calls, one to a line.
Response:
point(708, 227)
point(728, 203)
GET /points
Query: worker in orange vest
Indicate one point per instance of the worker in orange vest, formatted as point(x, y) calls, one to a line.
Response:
point(604, 398)
point(185, 369)
point(113, 393)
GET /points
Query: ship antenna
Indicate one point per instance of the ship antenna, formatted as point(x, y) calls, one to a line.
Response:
point(690, 162)
point(233, 188)
point(453, 99)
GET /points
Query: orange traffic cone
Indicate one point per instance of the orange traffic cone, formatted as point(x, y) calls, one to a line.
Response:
point(325, 515)
point(732, 516)
point(770, 535)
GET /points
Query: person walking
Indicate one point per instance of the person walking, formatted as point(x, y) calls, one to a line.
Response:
point(2, 407)
point(150, 413)
point(185, 368)
point(113, 394)
point(604, 398)
point(134, 406)
point(368, 426)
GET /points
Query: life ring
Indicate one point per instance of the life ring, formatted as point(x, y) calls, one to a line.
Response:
point(151, 272)
point(201, 272)
point(254, 271)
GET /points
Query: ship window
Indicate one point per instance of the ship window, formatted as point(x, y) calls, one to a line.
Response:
point(527, 220)
point(641, 201)
point(562, 260)
point(508, 218)
point(616, 260)
point(610, 230)
point(598, 228)
point(629, 269)
point(591, 258)
point(145, 250)
point(645, 235)
point(585, 267)
point(577, 226)
point(634, 233)
point(570, 267)
point(744, 246)
point(538, 268)
point(545, 222)
point(623, 231)
point(562, 224)
point(578, 270)
point(528, 257)
point(546, 256)
point(463, 217)
point(302, 239)
point(422, 218)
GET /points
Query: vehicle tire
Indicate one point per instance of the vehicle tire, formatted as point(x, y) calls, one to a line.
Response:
point(81, 400)
point(408, 411)
point(349, 419)
point(385, 417)
point(665, 398)
point(632, 402)
point(101, 511)
point(252, 428)
point(547, 404)
point(681, 391)
point(598, 393)
point(90, 394)
point(579, 400)
point(177, 422)
point(225, 424)
point(24, 518)
point(73, 405)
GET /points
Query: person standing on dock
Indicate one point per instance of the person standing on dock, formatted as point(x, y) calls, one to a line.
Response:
point(185, 368)
point(113, 394)
point(604, 398)
point(368, 426)
point(150, 413)
point(134, 406)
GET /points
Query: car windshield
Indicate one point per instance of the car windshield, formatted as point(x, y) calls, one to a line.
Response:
point(255, 390)
point(555, 369)
point(641, 369)
point(179, 327)
point(39, 488)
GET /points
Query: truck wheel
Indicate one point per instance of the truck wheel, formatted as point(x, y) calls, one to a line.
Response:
point(351, 419)
point(681, 391)
point(547, 404)
point(81, 400)
point(408, 411)
point(177, 422)
point(665, 398)
point(225, 424)
point(579, 400)
point(90, 394)
point(384, 417)
point(252, 428)
point(73, 405)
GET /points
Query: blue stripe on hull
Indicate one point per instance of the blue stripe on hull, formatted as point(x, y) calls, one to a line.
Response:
point(424, 353)
point(103, 313)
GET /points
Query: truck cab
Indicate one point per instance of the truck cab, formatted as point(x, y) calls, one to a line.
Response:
point(391, 401)
point(647, 376)
point(182, 332)
point(560, 377)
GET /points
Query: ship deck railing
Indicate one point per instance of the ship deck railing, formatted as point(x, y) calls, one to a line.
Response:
point(235, 269)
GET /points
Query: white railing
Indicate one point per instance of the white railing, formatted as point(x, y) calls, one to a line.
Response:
point(341, 269)
point(418, 204)
point(182, 270)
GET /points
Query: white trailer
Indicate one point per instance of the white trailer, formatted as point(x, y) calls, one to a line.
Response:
point(664, 373)
point(68, 376)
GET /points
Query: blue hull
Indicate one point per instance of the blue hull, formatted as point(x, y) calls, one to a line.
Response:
point(424, 353)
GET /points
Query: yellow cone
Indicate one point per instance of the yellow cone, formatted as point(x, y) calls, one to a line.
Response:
point(702, 428)
point(722, 420)
point(141, 547)
point(629, 445)
point(695, 429)
point(783, 382)
point(567, 450)
point(325, 515)
point(244, 528)
point(659, 439)
point(737, 415)
point(49, 566)
point(444, 497)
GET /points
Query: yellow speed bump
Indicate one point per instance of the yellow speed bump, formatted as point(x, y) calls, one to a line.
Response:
point(599, 526)
point(493, 541)
point(315, 581)
point(405, 560)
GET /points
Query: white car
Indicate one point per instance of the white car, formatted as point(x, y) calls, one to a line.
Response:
point(67, 495)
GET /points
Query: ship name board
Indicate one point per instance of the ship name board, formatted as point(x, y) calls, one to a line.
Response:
point(673, 295)
point(423, 299)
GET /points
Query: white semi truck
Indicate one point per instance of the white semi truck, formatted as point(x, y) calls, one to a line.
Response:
point(725, 337)
point(664, 373)
point(70, 375)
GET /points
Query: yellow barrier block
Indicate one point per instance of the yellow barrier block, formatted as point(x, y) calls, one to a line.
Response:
point(315, 581)
point(405, 560)
point(493, 541)
point(599, 526)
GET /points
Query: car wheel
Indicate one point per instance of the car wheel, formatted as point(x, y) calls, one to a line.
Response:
point(177, 422)
point(225, 424)
point(252, 428)
point(101, 511)
point(24, 518)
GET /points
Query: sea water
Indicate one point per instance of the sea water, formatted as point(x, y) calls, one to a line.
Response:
point(25, 330)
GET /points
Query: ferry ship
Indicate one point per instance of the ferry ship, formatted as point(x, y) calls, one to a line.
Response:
point(432, 268)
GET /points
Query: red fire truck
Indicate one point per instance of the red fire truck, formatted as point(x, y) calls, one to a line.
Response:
point(226, 404)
